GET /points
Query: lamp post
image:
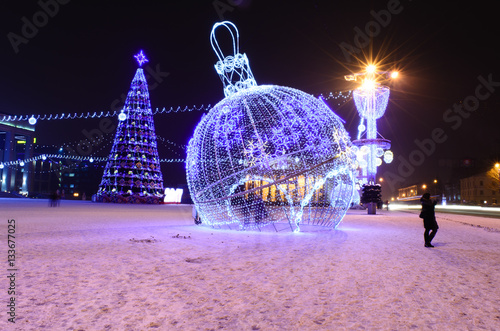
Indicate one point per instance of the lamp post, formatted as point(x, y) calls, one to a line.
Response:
point(371, 99)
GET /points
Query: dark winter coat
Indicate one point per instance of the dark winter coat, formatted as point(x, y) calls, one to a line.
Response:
point(428, 213)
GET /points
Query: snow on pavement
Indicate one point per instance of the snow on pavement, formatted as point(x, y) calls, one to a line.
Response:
point(87, 266)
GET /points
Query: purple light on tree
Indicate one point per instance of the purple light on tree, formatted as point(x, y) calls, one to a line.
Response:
point(141, 58)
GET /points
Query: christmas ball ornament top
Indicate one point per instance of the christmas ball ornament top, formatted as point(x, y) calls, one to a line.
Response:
point(268, 155)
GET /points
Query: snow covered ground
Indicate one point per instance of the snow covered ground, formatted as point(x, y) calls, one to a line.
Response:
point(88, 266)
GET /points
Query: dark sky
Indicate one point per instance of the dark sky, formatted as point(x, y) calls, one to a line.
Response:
point(81, 59)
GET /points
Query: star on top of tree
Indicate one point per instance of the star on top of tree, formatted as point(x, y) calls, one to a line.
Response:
point(141, 58)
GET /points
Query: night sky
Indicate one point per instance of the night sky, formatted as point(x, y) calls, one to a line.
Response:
point(81, 59)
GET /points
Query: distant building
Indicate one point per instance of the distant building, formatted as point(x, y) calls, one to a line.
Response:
point(479, 190)
point(408, 192)
point(16, 144)
point(449, 173)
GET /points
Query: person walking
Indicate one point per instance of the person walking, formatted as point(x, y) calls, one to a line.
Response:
point(429, 217)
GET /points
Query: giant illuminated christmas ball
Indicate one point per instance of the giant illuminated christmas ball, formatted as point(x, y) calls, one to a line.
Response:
point(269, 155)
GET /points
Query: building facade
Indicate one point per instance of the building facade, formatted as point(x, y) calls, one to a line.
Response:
point(406, 193)
point(16, 144)
point(479, 190)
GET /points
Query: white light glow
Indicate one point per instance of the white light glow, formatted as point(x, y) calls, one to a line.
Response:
point(234, 70)
point(371, 68)
point(368, 85)
point(173, 195)
point(388, 156)
point(400, 206)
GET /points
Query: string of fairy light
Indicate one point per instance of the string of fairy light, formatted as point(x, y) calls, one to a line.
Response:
point(76, 159)
point(341, 97)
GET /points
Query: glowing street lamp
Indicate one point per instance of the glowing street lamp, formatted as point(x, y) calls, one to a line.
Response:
point(371, 68)
point(371, 100)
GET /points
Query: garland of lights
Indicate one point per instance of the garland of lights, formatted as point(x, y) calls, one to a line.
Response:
point(268, 155)
point(59, 167)
point(72, 145)
point(90, 159)
point(33, 119)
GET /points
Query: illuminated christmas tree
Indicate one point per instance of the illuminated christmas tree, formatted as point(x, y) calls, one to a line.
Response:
point(132, 173)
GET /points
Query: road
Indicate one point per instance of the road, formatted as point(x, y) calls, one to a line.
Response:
point(493, 212)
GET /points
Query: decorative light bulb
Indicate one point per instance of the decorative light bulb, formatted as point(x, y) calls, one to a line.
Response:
point(388, 156)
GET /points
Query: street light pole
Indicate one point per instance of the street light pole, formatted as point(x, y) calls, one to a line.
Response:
point(371, 100)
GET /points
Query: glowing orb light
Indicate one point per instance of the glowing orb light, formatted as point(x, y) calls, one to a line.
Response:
point(388, 156)
point(269, 155)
